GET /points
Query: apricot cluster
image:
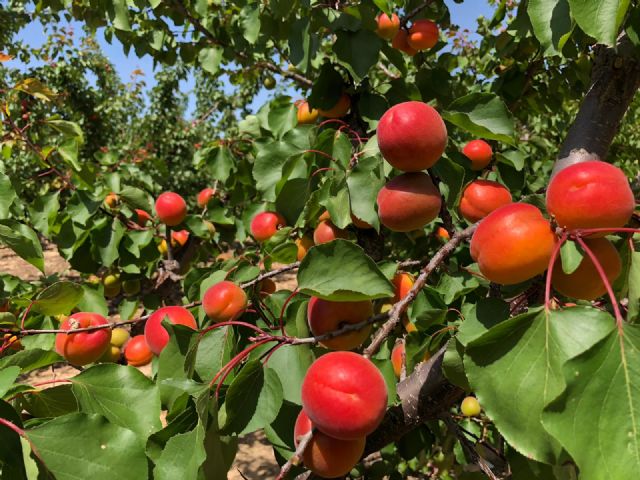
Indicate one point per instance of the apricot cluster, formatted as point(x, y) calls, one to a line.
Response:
point(344, 397)
point(422, 35)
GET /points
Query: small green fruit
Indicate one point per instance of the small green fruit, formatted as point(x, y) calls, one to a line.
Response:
point(470, 407)
point(111, 280)
point(112, 355)
point(269, 83)
point(119, 337)
point(131, 287)
point(112, 291)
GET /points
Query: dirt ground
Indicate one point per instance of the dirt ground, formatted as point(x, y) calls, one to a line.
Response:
point(254, 460)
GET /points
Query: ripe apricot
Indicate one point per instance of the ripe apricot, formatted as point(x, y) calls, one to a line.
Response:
point(388, 26)
point(112, 200)
point(443, 234)
point(481, 197)
point(204, 196)
point(396, 358)
point(326, 231)
point(408, 202)
point(344, 395)
point(304, 243)
point(412, 136)
point(224, 301)
point(83, 348)
point(513, 244)
point(402, 284)
point(325, 456)
point(179, 238)
point(479, 154)
point(156, 335)
point(306, 115)
point(470, 407)
point(423, 34)
point(325, 316)
point(264, 225)
point(171, 208)
point(142, 217)
point(400, 42)
point(585, 283)
point(590, 195)
point(339, 110)
point(137, 351)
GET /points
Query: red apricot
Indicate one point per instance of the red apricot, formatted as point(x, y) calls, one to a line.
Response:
point(325, 316)
point(412, 136)
point(397, 355)
point(513, 243)
point(325, 456)
point(481, 197)
point(224, 301)
point(304, 243)
point(340, 109)
point(326, 231)
point(265, 225)
point(479, 154)
point(402, 283)
point(179, 238)
point(205, 195)
point(156, 335)
point(400, 42)
point(423, 34)
point(306, 115)
point(590, 195)
point(388, 26)
point(344, 395)
point(137, 351)
point(585, 283)
point(408, 202)
point(142, 217)
point(171, 208)
point(83, 347)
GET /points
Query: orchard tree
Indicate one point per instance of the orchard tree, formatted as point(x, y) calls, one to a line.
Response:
point(460, 212)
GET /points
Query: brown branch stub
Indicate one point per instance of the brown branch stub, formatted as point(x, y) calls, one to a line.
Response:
point(395, 314)
point(296, 458)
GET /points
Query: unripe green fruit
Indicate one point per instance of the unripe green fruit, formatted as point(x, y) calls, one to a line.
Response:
point(111, 355)
point(112, 291)
point(119, 337)
point(470, 407)
point(210, 226)
point(269, 83)
point(131, 287)
point(111, 280)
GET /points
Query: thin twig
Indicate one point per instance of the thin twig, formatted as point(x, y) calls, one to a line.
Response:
point(296, 458)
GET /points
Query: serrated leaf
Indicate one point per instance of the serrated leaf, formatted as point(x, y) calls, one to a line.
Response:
point(600, 19)
point(29, 360)
point(341, 271)
point(182, 456)
point(7, 377)
point(35, 88)
point(66, 128)
point(358, 50)
point(22, 240)
point(52, 402)
point(136, 198)
point(7, 195)
point(484, 115)
point(596, 417)
point(515, 369)
point(551, 22)
point(210, 59)
point(58, 298)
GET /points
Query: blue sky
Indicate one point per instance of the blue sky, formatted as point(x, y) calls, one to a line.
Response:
point(464, 15)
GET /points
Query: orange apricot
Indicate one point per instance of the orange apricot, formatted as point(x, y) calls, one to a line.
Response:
point(400, 42)
point(481, 197)
point(303, 243)
point(479, 154)
point(388, 26)
point(325, 316)
point(402, 283)
point(339, 110)
point(423, 35)
point(306, 115)
point(326, 231)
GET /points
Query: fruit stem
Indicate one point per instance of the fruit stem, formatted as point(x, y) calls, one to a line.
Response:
point(605, 280)
point(552, 262)
point(587, 231)
point(167, 236)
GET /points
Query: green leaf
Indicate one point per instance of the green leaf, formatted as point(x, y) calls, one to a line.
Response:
point(292, 198)
point(600, 19)
point(35, 88)
point(250, 22)
point(106, 240)
point(268, 166)
point(31, 359)
point(58, 298)
point(120, 15)
point(358, 50)
point(483, 115)
point(633, 313)
point(327, 88)
point(291, 365)
point(182, 456)
point(136, 198)
point(480, 317)
point(51, 402)
point(101, 451)
point(253, 399)
point(43, 211)
point(452, 175)
point(596, 417)
point(214, 351)
point(551, 22)
point(571, 256)
point(515, 369)
point(22, 240)
point(364, 182)
point(68, 129)
point(341, 271)
point(123, 394)
point(68, 150)
point(210, 58)
point(7, 377)
point(7, 195)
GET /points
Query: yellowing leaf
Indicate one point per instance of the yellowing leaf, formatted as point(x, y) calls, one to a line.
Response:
point(35, 88)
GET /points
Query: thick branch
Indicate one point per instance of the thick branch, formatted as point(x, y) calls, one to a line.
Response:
point(615, 79)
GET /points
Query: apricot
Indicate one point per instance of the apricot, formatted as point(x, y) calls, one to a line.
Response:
point(137, 352)
point(388, 26)
point(590, 194)
point(11, 341)
point(119, 337)
point(400, 42)
point(224, 301)
point(264, 225)
point(402, 284)
point(112, 200)
point(481, 197)
point(83, 348)
point(408, 202)
point(306, 115)
point(179, 238)
point(339, 110)
point(325, 456)
point(344, 395)
point(412, 136)
point(397, 355)
point(585, 283)
point(513, 243)
point(156, 335)
point(142, 217)
point(325, 316)
point(479, 154)
point(423, 35)
point(205, 195)
point(303, 243)
point(326, 231)
point(470, 407)
point(443, 234)
point(131, 286)
point(162, 247)
point(408, 325)
point(111, 355)
point(171, 208)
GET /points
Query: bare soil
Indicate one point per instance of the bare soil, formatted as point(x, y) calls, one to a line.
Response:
point(255, 458)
